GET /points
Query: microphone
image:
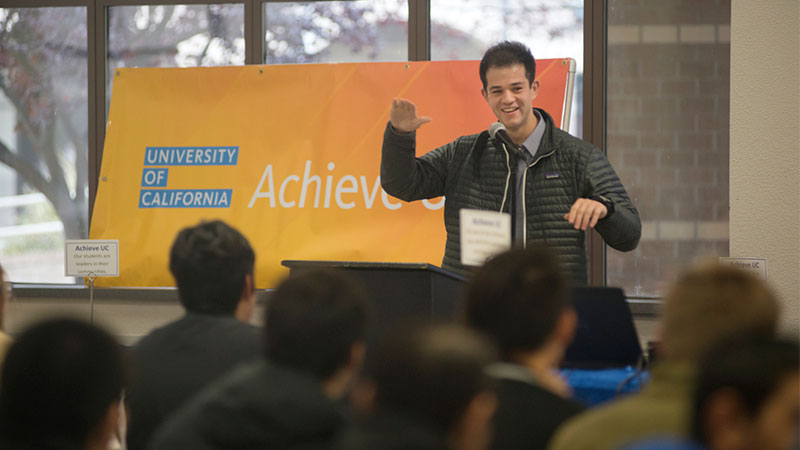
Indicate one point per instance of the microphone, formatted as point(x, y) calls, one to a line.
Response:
point(498, 132)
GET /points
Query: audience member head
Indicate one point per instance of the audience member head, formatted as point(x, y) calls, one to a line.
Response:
point(505, 54)
point(711, 302)
point(61, 385)
point(748, 396)
point(316, 322)
point(212, 264)
point(436, 375)
point(521, 299)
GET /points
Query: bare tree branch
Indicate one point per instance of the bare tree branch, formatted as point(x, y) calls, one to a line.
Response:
point(54, 167)
point(29, 173)
point(27, 126)
point(81, 159)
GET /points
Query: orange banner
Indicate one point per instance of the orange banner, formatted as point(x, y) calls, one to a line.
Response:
point(287, 154)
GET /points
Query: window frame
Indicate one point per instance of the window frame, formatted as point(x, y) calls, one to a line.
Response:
point(419, 49)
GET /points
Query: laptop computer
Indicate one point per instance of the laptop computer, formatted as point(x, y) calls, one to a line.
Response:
point(606, 336)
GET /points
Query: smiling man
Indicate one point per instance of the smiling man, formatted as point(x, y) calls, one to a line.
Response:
point(561, 186)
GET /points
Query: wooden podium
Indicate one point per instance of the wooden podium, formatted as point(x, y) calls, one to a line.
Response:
point(400, 291)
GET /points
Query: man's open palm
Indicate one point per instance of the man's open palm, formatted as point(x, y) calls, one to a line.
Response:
point(403, 116)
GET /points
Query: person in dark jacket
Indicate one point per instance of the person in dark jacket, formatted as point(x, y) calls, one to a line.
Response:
point(521, 299)
point(61, 388)
point(431, 392)
point(315, 325)
point(212, 264)
point(563, 185)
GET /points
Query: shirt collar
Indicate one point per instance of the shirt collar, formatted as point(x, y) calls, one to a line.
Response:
point(535, 138)
point(509, 371)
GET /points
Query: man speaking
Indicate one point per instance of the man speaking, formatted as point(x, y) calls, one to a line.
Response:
point(554, 185)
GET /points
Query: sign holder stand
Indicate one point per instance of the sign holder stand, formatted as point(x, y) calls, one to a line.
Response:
point(91, 276)
point(91, 258)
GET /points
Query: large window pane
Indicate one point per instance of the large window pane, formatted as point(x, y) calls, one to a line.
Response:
point(464, 29)
point(668, 101)
point(174, 36)
point(336, 31)
point(43, 139)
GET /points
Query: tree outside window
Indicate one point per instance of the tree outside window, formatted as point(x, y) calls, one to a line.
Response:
point(43, 138)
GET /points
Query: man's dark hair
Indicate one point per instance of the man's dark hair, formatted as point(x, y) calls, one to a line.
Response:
point(753, 367)
point(59, 379)
point(431, 372)
point(313, 319)
point(210, 262)
point(505, 54)
point(517, 297)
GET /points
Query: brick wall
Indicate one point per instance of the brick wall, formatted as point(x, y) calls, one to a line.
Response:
point(668, 99)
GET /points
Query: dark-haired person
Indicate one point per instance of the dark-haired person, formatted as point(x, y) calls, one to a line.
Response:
point(521, 299)
point(314, 331)
point(61, 388)
point(212, 264)
point(747, 396)
point(431, 392)
point(563, 186)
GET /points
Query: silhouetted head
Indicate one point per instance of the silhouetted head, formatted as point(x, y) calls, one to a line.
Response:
point(210, 263)
point(517, 299)
point(61, 382)
point(314, 319)
point(711, 302)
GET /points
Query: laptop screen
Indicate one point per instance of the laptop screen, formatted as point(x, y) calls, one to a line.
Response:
point(606, 335)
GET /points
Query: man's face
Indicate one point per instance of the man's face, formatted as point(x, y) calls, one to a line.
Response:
point(510, 96)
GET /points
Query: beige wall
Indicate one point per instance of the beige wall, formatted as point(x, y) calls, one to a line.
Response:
point(128, 319)
point(765, 143)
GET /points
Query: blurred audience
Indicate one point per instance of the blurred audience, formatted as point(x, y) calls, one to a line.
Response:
point(723, 381)
point(521, 299)
point(212, 264)
point(747, 397)
point(431, 392)
point(61, 388)
point(708, 303)
point(315, 325)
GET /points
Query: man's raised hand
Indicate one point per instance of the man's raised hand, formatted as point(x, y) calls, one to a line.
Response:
point(403, 116)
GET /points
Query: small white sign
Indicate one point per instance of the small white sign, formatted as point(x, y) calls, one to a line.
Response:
point(756, 265)
point(483, 235)
point(90, 257)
